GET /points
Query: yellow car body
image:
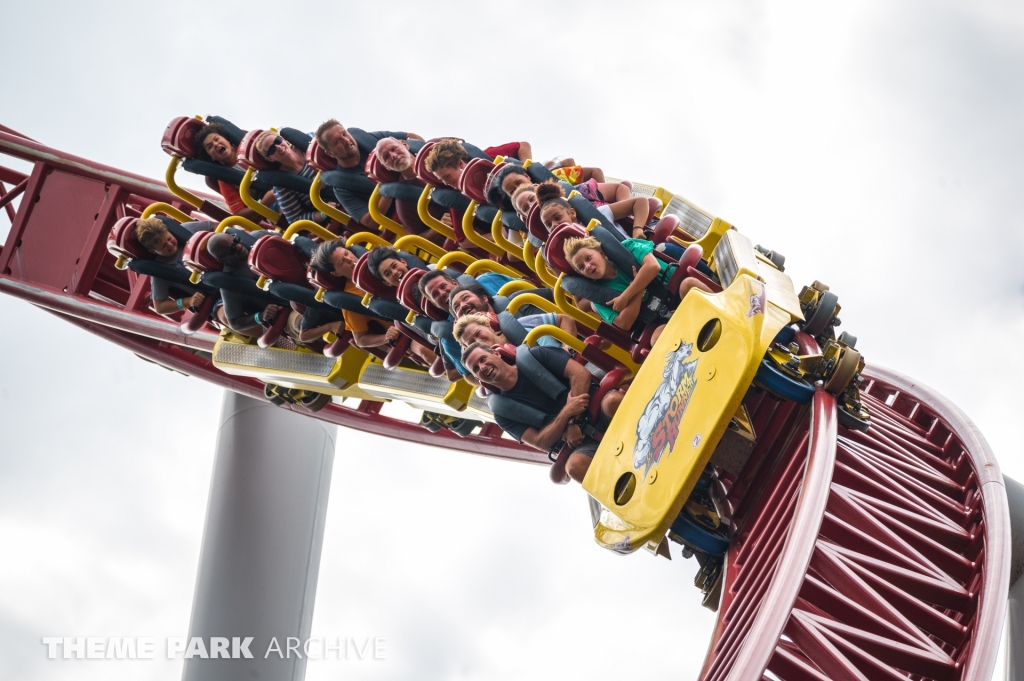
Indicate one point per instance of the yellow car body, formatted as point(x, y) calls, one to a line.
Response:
point(684, 396)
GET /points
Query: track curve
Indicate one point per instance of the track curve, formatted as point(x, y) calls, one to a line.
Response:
point(878, 555)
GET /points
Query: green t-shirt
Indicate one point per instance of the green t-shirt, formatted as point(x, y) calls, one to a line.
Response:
point(639, 248)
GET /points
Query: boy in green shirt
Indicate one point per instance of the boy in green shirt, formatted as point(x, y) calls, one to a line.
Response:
point(588, 258)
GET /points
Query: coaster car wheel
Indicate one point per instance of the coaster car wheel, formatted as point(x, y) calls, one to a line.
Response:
point(431, 421)
point(270, 392)
point(695, 535)
point(779, 383)
point(849, 362)
point(463, 427)
point(850, 420)
point(822, 314)
point(315, 401)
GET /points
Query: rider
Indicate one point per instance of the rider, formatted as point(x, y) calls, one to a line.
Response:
point(154, 236)
point(587, 257)
point(539, 399)
point(350, 148)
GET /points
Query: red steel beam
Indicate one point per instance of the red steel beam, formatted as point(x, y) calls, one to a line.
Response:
point(15, 145)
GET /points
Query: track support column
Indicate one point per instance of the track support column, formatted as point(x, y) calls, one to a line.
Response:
point(1015, 604)
point(264, 531)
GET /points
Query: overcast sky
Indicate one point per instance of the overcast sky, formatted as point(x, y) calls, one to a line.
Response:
point(878, 146)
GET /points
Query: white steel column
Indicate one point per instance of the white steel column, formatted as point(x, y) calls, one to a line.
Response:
point(261, 544)
point(1015, 604)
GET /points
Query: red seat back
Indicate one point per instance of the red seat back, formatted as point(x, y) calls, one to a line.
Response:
point(195, 256)
point(691, 257)
point(554, 249)
point(535, 225)
point(473, 182)
point(318, 158)
point(420, 166)
point(180, 137)
point(407, 287)
point(506, 351)
point(247, 154)
point(327, 282)
point(376, 171)
point(122, 241)
point(654, 204)
point(665, 228)
point(365, 280)
point(278, 259)
point(436, 313)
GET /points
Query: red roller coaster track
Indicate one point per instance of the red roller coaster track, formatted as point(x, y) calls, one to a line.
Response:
point(878, 555)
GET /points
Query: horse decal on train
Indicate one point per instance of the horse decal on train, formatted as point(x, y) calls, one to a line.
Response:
point(757, 300)
point(658, 427)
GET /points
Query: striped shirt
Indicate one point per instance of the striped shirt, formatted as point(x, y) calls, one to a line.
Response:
point(294, 204)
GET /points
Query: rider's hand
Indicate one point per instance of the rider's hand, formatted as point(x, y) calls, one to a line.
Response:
point(573, 436)
point(270, 312)
point(391, 335)
point(577, 404)
point(196, 300)
point(447, 219)
point(619, 303)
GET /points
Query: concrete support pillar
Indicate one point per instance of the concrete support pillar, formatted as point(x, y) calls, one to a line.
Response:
point(261, 546)
point(1015, 604)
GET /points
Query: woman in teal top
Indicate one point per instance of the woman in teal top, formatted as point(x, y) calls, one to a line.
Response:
point(588, 258)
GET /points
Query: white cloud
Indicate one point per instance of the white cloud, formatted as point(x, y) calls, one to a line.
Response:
point(876, 145)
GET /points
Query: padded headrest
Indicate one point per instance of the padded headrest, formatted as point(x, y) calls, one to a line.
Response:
point(535, 224)
point(420, 165)
point(296, 138)
point(449, 198)
point(664, 229)
point(473, 182)
point(365, 280)
point(691, 257)
point(540, 173)
point(249, 157)
point(180, 137)
point(195, 256)
point(327, 282)
point(506, 351)
point(283, 178)
point(318, 158)
point(376, 171)
point(554, 249)
point(122, 240)
point(512, 221)
point(233, 133)
point(407, 289)
point(278, 259)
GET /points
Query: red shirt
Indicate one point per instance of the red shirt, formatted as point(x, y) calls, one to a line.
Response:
point(231, 195)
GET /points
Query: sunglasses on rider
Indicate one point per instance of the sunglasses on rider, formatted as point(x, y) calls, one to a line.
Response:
point(236, 246)
point(273, 146)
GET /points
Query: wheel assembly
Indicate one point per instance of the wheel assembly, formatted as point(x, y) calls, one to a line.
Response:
point(780, 383)
point(315, 401)
point(270, 391)
point(824, 310)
